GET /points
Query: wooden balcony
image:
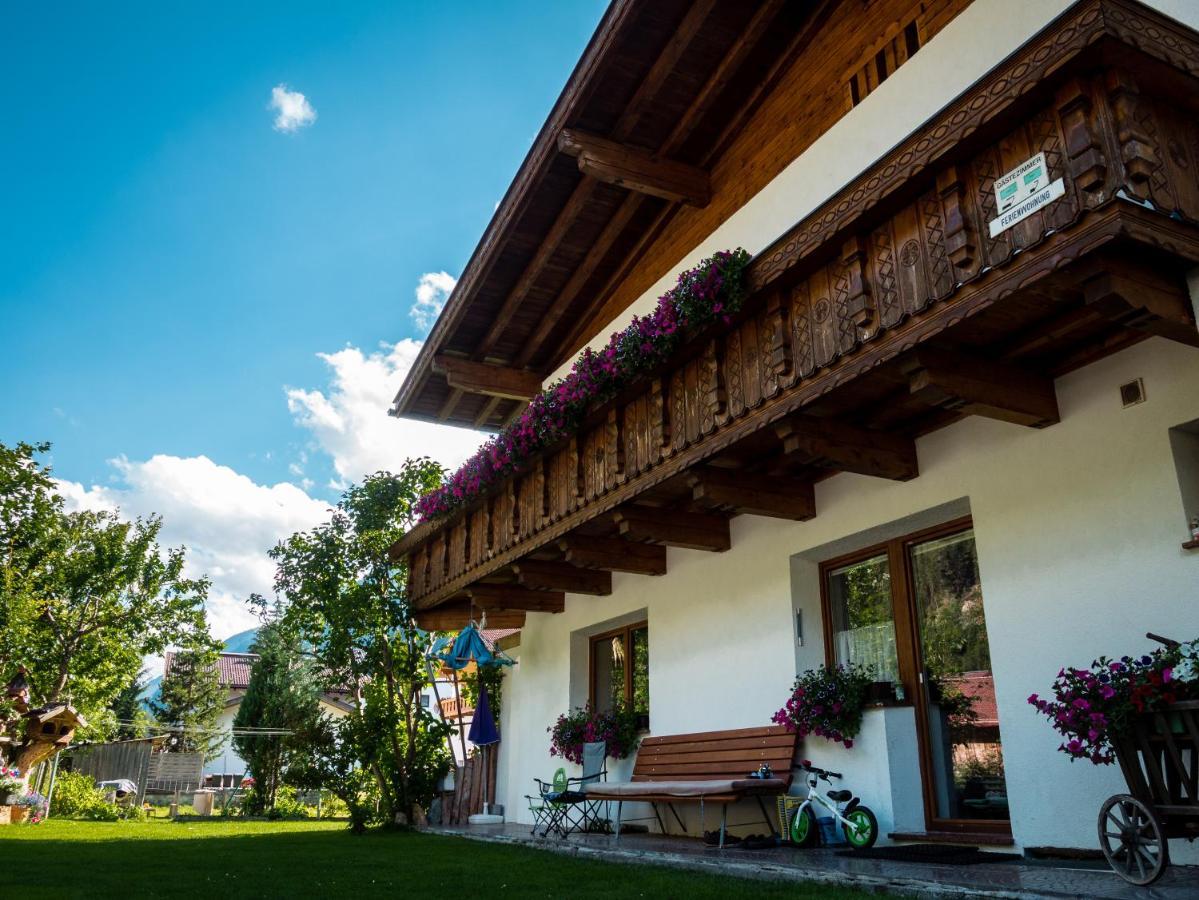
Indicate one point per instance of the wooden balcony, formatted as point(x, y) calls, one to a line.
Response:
point(889, 312)
point(452, 710)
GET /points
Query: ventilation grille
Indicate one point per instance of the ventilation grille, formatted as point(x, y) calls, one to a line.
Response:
point(893, 53)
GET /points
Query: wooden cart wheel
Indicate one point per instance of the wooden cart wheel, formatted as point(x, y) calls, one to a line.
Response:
point(1132, 839)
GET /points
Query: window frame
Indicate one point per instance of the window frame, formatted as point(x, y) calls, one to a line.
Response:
point(625, 631)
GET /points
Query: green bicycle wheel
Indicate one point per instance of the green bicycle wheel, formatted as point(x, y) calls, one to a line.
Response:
point(803, 828)
point(862, 830)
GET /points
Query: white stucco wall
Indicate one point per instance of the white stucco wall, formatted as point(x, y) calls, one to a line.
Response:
point(1078, 529)
point(967, 48)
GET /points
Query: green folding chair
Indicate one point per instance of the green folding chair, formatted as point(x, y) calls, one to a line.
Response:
point(549, 813)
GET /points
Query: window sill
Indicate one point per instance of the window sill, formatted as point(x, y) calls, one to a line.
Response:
point(1191, 544)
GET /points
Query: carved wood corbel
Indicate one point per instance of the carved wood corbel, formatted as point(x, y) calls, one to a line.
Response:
point(1136, 149)
point(858, 304)
point(960, 244)
point(1085, 160)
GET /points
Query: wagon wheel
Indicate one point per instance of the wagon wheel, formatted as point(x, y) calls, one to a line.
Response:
point(1131, 836)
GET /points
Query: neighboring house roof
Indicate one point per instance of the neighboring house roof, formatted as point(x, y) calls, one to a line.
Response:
point(980, 688)
point(234, 668)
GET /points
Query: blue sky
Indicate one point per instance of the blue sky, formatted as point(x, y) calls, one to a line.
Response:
point(206, 314)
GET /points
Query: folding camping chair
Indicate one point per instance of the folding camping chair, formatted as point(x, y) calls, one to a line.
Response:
point(548, 809)
point(595, 756)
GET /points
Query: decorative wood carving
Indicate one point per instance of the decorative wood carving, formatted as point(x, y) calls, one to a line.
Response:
point(959, 234)
point(917, 268)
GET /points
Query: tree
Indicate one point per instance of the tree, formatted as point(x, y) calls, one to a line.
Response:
point(191, 699)
point(129, 715)
point(283, 696)
point(348, 602)
point(84, 596)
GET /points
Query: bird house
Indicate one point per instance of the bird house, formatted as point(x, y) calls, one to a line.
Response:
point(53, 724)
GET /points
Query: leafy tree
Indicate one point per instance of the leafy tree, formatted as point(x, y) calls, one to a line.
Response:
point(191, 699)
point(347, 600)
point(282, 695)
point(84, 596)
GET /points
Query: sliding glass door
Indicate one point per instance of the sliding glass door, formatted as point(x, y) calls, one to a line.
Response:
point(912, 609)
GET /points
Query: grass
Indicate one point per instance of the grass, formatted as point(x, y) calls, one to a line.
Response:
point(297, 859)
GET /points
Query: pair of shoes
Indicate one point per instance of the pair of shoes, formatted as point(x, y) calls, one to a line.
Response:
point(712, 839)
point(759, 842)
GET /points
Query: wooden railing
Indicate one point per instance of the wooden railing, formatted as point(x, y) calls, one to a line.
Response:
point(452, 709)
point(893, 260)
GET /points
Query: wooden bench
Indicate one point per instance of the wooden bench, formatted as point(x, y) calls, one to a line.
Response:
point(705, 767)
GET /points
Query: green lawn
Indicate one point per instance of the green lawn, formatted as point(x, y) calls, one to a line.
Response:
point(293, 859)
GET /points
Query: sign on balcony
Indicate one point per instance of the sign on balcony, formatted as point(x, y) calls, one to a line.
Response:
point(1022, 191)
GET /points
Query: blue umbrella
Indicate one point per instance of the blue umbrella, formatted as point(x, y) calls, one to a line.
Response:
point(482, 724)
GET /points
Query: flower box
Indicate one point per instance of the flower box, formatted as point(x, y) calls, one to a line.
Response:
point(18, 814)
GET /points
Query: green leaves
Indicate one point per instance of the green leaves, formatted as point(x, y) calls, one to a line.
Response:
point(84, 595)
point(347, 601)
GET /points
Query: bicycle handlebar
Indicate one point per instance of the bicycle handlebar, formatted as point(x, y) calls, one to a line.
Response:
point(823, 773)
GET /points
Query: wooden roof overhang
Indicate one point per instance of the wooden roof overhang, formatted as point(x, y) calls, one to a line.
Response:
point(641, 120)
point(889, 312)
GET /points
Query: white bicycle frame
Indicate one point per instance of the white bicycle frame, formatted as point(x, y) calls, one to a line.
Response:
point(815, 794)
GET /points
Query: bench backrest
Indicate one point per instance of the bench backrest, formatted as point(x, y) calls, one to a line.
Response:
point(716, 755)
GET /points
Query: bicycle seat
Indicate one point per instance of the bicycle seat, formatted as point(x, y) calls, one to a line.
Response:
point(840, 796)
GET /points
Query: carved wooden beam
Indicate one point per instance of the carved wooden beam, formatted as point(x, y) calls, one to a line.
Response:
point(486, 378)
point(981, 387)
point(835, 445)
point(762, 495)
point(491, 597)
point(675, 528)
point(615, 555)
point(1139, 298)
point(456, 614)
point(554, 576)
point(635, 169)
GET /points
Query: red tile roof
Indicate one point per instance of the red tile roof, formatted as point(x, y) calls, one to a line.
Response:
point(233, 668)
point(980, 688)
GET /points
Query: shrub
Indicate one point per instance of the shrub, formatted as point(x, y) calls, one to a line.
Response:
point(76, 796)
point(287, 805)
point(828, 703)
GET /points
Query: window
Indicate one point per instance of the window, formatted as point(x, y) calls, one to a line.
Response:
point(619, 665)
point(863, 625)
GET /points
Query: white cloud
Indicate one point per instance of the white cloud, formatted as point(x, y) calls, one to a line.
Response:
point(432, 291)
point(350, 422)
point(292, 109)
point(226, 521)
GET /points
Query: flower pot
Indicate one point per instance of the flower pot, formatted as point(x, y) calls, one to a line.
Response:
point(18, 814)
point(5, 815)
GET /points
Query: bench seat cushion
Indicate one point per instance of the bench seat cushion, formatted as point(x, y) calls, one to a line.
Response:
point(621, 790)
